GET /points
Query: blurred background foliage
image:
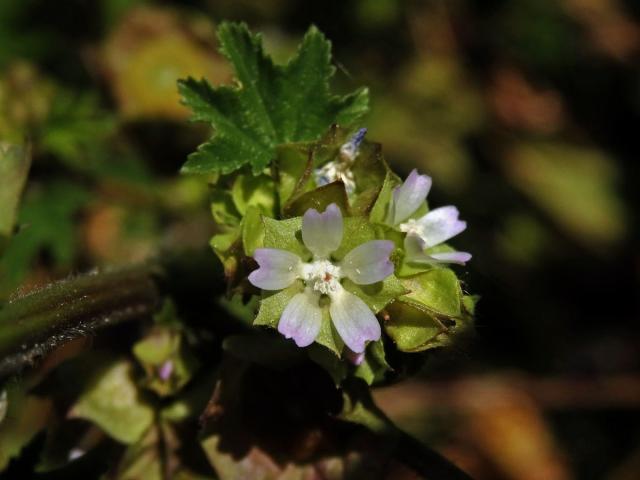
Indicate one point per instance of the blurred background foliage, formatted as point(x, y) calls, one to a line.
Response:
point(524, 112)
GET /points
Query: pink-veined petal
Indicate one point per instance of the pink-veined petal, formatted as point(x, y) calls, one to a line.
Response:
point(408, 197)
point(301, 319)
point(355, 358)
point(278, 268)
point(368, 263)
point(353, 319)
point(322, 232)
point(414, 251)
point(440, 225)
point(451, 257)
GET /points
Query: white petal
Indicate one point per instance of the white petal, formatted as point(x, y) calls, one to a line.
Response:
point(440, 225)
point(408, 197)
point(355, 322)
point(278, 268)
point(322, 232)
point(301, 319)
point(414, 250)
point(451, 257)
point(368, 263)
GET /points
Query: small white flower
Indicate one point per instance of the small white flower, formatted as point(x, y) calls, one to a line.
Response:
point(341, 169)
point(302, 318)
point(430, 230)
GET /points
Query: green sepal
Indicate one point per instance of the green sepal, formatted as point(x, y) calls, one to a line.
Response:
point(285, 235)
point(328, 336)
point(377, 295)
point(437, 290)
point(319, 199)
point(380, 207)
point(294, 166)
point(253, 231)
point(374, 366)
point(431, 314)
point(332, 363)
point(223, 209)
point(273, 304)
point(253, 191)
point(227, 246)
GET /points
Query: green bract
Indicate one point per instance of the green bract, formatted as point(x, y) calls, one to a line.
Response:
point(269, 105)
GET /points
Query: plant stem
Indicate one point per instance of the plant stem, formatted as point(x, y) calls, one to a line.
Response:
point(33, 324)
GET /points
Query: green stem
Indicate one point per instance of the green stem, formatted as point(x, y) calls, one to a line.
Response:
point(34, 324)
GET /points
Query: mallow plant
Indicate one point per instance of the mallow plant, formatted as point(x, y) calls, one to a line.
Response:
point(334, 278)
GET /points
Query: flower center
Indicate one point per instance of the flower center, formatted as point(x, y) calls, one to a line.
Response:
point(412, 227)
point(322, 275)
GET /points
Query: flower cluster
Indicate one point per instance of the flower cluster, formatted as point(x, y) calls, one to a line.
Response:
point(321, 278)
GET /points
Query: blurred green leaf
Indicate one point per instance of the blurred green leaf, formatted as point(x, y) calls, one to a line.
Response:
point(47, 223)
point(270, 105)
point(113, 402)
point(15, 161)
point(26, 416)
point(75, 124)
point(576, 186)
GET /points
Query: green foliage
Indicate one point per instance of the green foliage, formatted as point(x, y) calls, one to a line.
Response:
point(112, 400)
point(270, 104)
point(47, 224)
point(26, 415)
point(14, 167)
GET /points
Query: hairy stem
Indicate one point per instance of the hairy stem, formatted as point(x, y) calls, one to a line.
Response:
point(33, 324)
